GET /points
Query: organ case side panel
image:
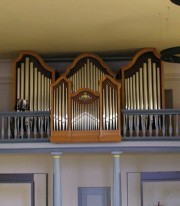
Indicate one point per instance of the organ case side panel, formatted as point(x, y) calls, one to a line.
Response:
point(32, 81)
point(143, 81)
point(60, 112)
point(110, 127)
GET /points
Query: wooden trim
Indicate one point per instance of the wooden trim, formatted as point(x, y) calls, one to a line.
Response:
point(85, 89)
point(138, 54)
point(84, 55)
point(93, 136)
point(38, 57)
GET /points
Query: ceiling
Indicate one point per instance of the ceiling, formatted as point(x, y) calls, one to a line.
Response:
point(54, 28)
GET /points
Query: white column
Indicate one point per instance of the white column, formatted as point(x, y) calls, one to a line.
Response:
point(57, 197)
point(116, 179)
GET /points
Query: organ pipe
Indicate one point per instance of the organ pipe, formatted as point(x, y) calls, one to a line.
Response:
point(32, 81)
point(143, 86)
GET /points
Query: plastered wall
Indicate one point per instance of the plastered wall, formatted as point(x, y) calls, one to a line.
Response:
point(6, 86)
point(91, 170)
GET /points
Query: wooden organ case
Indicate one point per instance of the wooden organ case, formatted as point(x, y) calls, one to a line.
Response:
point(32, 82)
point(85, 103)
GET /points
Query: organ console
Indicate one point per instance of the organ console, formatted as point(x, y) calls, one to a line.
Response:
point(86, 103)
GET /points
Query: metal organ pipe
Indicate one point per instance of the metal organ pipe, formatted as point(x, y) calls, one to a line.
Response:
point(22, 82)
point(154, 87)
point(158, 88)
point(33, 85)
point(150, 84)
point(145, 85)
point(35, 89)
point(87, 76)
point(142, 89)
point(137, 89)
point(27, 79)
point(109, 108)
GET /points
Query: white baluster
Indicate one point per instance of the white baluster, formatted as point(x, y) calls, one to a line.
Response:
point(170, 125)
point(125, 125)
point(22, 129)
point(150, 124)
point(41, 131)
point(143, 120)
point(136, 124)
point(35, 127)
point(27, 124)
point(177, 125)
point(48, 129)
point(15, 127)
point(156, 124)
point(130, 125)
point(2, 128)
point(9, 129)
point(163, 126)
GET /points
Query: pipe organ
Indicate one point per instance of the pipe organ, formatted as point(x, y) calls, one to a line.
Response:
point(86, 103)
point(142, 86)
point(32, 81)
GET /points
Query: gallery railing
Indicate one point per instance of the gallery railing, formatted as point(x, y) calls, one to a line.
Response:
point(24, 126)
point(151, 124)
point(136, 125)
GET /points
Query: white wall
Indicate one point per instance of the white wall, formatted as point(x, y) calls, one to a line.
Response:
point(6, 86)
point(133, 164)
point(91, 170)
point(24, 163)
point(77, 170)
point(172, 81)
point(84, 170)
point(19, 193)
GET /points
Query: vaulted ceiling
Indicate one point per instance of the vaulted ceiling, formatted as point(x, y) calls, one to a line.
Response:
point(53, 28)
